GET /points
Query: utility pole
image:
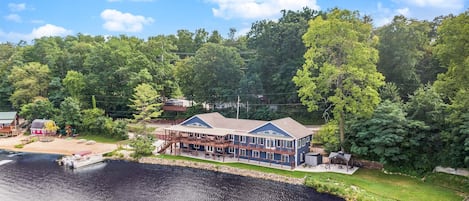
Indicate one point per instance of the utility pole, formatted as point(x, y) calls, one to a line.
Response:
point(237, 109)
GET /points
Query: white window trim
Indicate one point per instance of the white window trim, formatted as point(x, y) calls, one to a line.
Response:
point(253, 140)
point(242, 139)
point(284, 158)
point(271, 154)
point(230, 150)
point(260, 141)
point(242, 152)
point(255, 152)
point(196, 146)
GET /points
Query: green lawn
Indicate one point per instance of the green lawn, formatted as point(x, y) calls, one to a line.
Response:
point(369, 184)
point(99, 138)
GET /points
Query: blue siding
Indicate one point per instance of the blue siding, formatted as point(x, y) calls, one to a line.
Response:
point(196, 120)
point(303, 150)
point(270, 127)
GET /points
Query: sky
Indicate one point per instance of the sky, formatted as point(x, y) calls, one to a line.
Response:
point(29, 19)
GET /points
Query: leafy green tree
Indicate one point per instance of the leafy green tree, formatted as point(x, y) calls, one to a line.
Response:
point(340, 67)
point(279, 51)
point(55, 92)
point(380, 138)
point(29, 81)
point(143, 146)
point(145, 103)
point(453, 52)
point(402, 46)
point(216, 72)
point(94, 121)
point(74, 83)
point(390, 91)
point(41, 108)
point(328, 136)
point(70, 113)
point(426, 105)
point(10, 55)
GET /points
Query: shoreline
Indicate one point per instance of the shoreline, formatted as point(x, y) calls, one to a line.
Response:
point(64, 146)
point(223, 169)
point(60, 146)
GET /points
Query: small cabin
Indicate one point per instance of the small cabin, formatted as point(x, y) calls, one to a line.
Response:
point(39, 127)
point(8, 123)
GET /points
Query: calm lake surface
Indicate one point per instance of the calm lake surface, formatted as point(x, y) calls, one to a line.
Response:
point(37, 177)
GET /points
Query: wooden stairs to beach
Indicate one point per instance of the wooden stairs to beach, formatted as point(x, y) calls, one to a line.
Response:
point(164, 147)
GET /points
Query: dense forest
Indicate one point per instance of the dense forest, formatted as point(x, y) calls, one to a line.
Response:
point(397, 94)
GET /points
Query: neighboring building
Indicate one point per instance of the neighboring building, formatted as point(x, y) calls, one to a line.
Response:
point(38, 127)
point(8, 123)
point(282, 141)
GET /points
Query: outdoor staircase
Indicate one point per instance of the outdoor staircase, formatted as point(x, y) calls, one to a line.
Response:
point(164, 147)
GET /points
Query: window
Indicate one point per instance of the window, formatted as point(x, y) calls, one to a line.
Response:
point(242, 152)
point(284, 158)
point(255, 154)
point(230, 137)
point(253, 140)
point(260, 141)
point(196, 146)
point(242, 138)
point(302, 157)
point(230, 150)
point(289, 144)
point(219, 149)
point(269, 155)
point(279, 143)
point(209, 148)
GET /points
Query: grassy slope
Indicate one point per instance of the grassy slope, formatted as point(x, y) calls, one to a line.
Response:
point(373, 182)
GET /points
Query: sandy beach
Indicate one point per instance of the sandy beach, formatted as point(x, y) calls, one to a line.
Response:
point(63, 146)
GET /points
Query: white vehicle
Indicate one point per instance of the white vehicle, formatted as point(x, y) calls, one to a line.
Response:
point(80, 159)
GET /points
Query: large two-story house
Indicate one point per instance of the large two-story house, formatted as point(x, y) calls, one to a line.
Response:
point(282, 141)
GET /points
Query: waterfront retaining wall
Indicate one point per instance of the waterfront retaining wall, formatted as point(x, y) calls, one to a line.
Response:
point(223, 169)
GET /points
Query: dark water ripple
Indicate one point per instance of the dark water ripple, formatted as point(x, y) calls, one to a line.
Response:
point(37, 177)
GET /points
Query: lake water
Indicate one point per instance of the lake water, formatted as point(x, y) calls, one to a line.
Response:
point(37, 177)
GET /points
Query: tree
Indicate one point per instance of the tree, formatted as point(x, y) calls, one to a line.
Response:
point(145, 103)
point(279, 52)
point(70, 113)
point(389, 137)
point(29, 81)
point(381, 136)
point(390, 91)
point(41, 108)
point(143, 146)
point(216, 73)
point(453, 52)
point(74, 83)
point(340, 66)
point(403, 44)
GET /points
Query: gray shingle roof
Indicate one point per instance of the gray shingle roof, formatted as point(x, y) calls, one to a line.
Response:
point(7, 115)
point(289, 125)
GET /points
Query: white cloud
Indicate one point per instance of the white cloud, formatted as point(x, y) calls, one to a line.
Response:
point(403, 11)
point(385, 15)
point(46, 30)
point(125, 22)
point(256, 9)
point(16, 7)
point(49, 30)
point(451, 4)
point(13, 17)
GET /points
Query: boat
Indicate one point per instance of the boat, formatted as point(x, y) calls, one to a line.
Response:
point(80, 159)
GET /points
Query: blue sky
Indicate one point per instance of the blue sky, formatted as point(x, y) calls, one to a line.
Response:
point(29, 19)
